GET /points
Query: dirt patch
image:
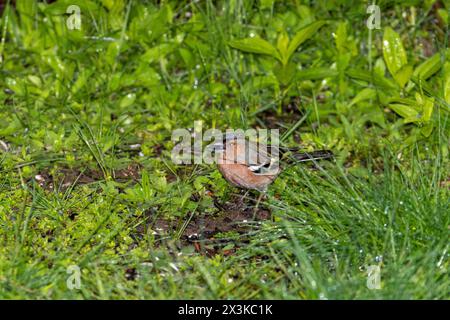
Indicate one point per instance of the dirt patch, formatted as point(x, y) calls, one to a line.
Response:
point(445, 183)
point(235, 216)
point(65, 177)
point(291, 112)
point(132, 172)
point(207, 227)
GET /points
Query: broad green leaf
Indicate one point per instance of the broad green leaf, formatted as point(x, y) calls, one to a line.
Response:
point(393, 52)
point(315, 74)
point(427, 129)
point(144, 75)
point(447, 83)
point(156, 24)
point(403, 75)
point(15, 85)
point(341, 37)
point(282, 46)
point(413, 111)
point(127, 100)
point(159, 183)
point(408, 113)
point(410, 102)
point(303, 35)
point(218, 88)
point(371, 113)
point(28, 11)
point(447, 90)
point(187, 56)
point(429, 67)
point(419, 99)
point(305, 13)
point(423, 85)
point(200, 182)
point(255, 45)
point(9, 127)
point(443, 14)
point(158, 52)
point(260, 82)
point(284, 73)
point(376, 79)
point(35, 80)
point(60, 7)
point(365, 94)
point(83, 78)
point(427, 108)
point(147, 189)
point(266, 4)
point(380, 67)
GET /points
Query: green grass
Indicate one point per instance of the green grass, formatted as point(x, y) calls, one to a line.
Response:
point(98, 106)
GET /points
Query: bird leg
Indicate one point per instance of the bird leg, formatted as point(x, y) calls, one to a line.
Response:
point(242, 200)
point(255, 209)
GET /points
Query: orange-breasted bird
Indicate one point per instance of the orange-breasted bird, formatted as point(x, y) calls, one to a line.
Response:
point(249, 165)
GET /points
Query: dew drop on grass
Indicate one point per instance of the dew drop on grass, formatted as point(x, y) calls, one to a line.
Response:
point(379, 258)
point(174, 267)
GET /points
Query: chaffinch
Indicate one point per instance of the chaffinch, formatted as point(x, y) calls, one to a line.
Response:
point(248, 165)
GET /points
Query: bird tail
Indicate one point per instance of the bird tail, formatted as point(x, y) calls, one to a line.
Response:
point(311, 156)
